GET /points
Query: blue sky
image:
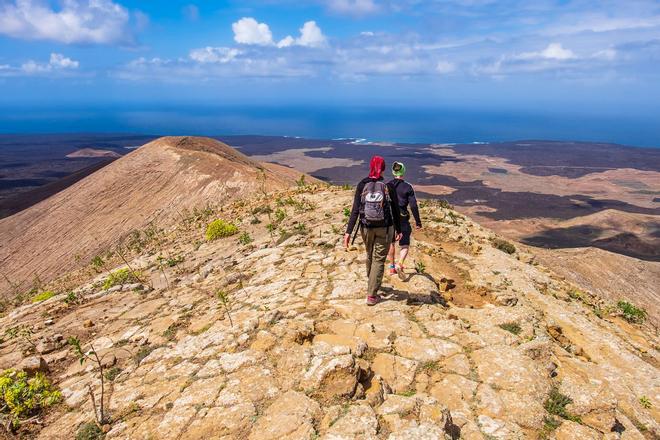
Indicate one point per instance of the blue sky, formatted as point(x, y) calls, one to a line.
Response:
point(570, 55)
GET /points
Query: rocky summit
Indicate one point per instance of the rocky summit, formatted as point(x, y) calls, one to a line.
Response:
point(257, 328)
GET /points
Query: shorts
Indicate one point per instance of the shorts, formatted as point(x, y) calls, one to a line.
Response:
point(406, 231)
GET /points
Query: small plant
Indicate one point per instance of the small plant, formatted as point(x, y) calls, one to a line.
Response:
point(347, 212)
point(43, 296)
point(142, 353)
point(120, 277)
point(71, 299)
point(301, 229)
point(504, 246)
point(444, 204)
point(225, 301)
point(645, 402)
point(174, 261)
point(220, 229)
point(420, 267)
point(335, 229)
point(21, 397)
point(245, 238)
point(112, 373)
point(556, 404)
point(89, 431)
point(301, 182)
point(280, 215)
point(631, 313)
point(21, 331)
point(98, 263)
point(91, 355)
point(512, 327)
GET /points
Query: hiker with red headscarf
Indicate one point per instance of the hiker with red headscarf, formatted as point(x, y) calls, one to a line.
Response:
point(376, 205)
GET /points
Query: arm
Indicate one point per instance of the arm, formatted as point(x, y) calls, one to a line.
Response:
point(412, 200)
point(355, 210)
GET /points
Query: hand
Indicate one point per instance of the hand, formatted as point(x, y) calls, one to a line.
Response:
point(418, 227)
point(398, 236)
point(347, 238)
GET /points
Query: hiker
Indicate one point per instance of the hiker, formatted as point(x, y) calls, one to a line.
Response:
point(406, 197)
point(377, 206)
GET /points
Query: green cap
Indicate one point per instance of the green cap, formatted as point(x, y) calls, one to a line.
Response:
point(398, 169)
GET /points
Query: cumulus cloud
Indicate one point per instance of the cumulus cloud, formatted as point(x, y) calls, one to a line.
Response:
point(352, 7)
point(76, 21)
point(214, 54)
point(248, 31)
point(310, 36)
point(444, 67)
point(554, 51)
point(57, 62)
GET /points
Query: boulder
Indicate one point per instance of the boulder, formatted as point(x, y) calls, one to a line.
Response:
point(290, 416)
point(33, 365)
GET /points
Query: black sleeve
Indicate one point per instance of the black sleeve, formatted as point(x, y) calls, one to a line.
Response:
point(412, 200)
point(394, 203)
point(355, 210)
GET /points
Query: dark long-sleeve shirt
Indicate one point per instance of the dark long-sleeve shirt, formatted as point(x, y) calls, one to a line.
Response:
point(355, 211)
point(406, 195)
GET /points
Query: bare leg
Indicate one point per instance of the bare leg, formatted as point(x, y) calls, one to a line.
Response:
point(391, 253)
point(404, 254)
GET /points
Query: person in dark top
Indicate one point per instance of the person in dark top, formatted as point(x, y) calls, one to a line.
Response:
point(377, 207)
point(406, 197)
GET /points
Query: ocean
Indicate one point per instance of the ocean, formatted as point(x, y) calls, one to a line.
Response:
point(374, 123)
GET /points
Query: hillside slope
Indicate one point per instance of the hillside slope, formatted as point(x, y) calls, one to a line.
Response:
point(479, 344)
point(151, 186)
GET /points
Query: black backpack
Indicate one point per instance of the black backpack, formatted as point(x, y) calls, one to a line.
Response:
point(375, 207)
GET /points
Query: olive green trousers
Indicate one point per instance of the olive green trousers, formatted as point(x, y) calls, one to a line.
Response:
point(377, 241)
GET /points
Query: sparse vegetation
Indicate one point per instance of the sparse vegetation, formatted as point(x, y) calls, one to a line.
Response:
point(645, 402)
point(301, 182)
point(347, 212)
point(556, 404)
point(142, 353)
point(98, 263)
point(301, 228)
point(112, 373)
point(245, 238)
point(22, 397)
point(420, 267)
point(220, 229)
point(71, 299)
point(89, 431)
point(631, 313)
point(504, 246)
point(512, 327)
point(225, 302)
point(280, 215)
point(120, 277)
point(43, 296)
point(100, 414)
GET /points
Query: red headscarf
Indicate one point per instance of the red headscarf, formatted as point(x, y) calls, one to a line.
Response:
point(376, 167)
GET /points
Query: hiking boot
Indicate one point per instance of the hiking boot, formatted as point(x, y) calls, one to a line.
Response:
point(372, 300)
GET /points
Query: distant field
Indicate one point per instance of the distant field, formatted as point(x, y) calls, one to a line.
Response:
point(543, 193)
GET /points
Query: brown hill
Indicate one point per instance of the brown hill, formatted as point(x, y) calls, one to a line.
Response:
point(92, 152)
point(154, 184)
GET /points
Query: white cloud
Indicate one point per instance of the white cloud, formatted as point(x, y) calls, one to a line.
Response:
point(352, 7)
point(605, 54)
point(77, 21)
point(248, 31)
point(444, 67)
point(214, 54)
point(57, 61)
point(310, 36)
point(554, 51)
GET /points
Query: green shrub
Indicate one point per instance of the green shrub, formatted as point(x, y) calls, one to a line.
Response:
point(120, 277)
point(645, 402)
point(112, 373)
point(556, 403)
point(631, 313)
point(504, 246)
point(420, 267)
point(97, 263)
point(301, 182)
point(89, 431)
point(219, 229)
point(43, 296)
point(347, 212)
point(22, 396)
point(245, 238)
point(512, 327)
point(71, 298)
point(280, 215)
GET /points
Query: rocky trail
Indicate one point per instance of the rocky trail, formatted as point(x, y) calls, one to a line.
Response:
point(271, 338)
